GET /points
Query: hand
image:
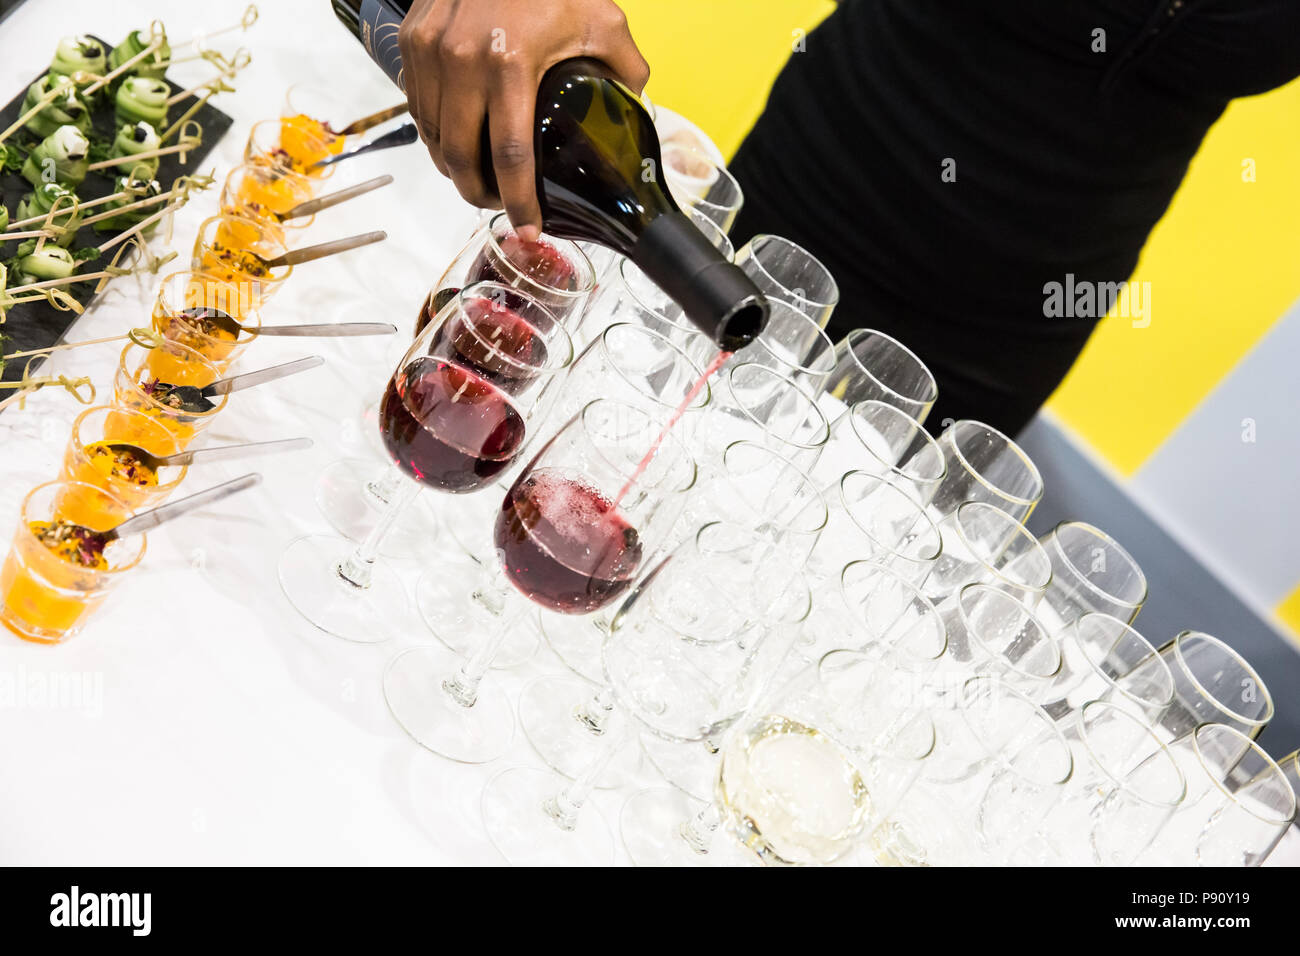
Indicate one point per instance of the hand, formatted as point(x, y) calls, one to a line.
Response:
point(471, 61)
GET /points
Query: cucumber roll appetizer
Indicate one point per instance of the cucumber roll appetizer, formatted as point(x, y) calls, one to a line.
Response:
point(142, 99)
point(80, 54)
point(62, 157)
point(132, 139)
point(50, 262)
point(138, 189)
point(40, 201)
point(4, 217)
point(152, 66)
point(68, 109)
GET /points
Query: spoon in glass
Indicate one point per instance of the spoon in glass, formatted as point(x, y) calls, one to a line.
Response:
point(155, 462)
point(199, 399)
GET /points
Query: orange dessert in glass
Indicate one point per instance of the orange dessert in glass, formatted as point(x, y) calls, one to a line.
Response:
point(92, 460)
point(235, 249)
point(187, 310)
point(144, 381)
point(267, 146)
point(266, 194)
point(308, 140)
point(59, 569)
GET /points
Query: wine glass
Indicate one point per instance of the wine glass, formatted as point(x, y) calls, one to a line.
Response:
point(880, 521)
point(1091, 571)
point(875, 365)
point(630, 363)
point(883, 440)
point(791, 343)
point(814, 769)
point(1104, 658)
point(1213, 683)
point(785, 270)
point(351, 493)
point(699, 182)
point(986, 465)
point(579, 524)
point(756, 488)
point(762, 404)
point(728, 581)
point(982, 543)
point(455, 416)
point(658, 680)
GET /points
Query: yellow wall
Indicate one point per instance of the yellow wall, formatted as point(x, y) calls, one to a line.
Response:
point(1223, 264)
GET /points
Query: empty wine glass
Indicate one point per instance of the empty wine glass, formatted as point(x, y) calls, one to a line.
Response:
point(456, 415)
point(791, 344)
point(698, 182)
point(879, 521)
point(986, 465)
point(883, 440)
point(1212, 684)
point(761, 404)
point(727, 584)
point(992, 632)
point(1106, 659)
point(984, 544)
point(785, 270)
point(874, 365)
point(1126, 787)
point(1091, 571)
point(578, 526)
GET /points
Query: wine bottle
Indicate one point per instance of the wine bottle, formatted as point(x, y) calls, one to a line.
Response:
point(598, 164)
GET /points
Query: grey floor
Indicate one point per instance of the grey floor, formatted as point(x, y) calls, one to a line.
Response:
point(1183, 593)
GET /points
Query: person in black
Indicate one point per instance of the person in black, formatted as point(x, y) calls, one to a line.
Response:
point(948, 160)
point(1064, 127)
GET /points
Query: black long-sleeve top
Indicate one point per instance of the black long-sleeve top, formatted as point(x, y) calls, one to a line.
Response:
point(1067, 145)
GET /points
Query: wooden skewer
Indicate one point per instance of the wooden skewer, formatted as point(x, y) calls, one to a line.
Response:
point(29, 234)
point(154, 44)
point(142, 224)
point(138, 204)
point(46, 99)
point(147, 154)
point(245, 21)
point(186, 116)
point(218, 80)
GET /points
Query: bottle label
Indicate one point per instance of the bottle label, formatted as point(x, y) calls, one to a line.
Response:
point(379, 24)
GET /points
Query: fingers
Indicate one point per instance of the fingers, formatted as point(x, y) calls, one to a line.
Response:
point(418, 39)
point(464, 105)
point(510, 121)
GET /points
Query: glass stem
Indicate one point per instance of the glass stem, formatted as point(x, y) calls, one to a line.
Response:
point(493, 590)
point(564, 807)
point(358, 568)
point(463, 685)
point(698, 830)
point(595, 712)
point(382, 490)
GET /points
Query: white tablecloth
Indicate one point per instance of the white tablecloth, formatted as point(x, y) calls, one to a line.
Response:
point(198, 719)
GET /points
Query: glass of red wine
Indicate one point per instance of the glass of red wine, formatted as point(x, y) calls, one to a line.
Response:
point(662, 675)
point(554, 271)
point(455, 415)
point(352, 493)
point(626, 362)
point(590, 512)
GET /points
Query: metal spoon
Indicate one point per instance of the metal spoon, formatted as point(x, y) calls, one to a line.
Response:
point(154, 462)
point(224, 322)
point(199, 399)
point(313, 206)
point(173, 509)
point(404, 135)
point(322, 249)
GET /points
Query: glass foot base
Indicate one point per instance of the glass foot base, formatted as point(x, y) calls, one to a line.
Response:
point(650, 825)
point(444, 596)
point(310, 579)
point(353, 511)
point(415, 695)
point(548, 708)
point(514, 813)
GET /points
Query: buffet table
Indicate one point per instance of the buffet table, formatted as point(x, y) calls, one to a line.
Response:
point(199, 719)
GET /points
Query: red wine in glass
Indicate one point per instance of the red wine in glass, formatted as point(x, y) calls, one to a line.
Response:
point(541, 261)
point(447, 427)
point(564, 545)
point(493, 341)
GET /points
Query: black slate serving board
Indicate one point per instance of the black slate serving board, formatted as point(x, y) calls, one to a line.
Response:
point(36, 325)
